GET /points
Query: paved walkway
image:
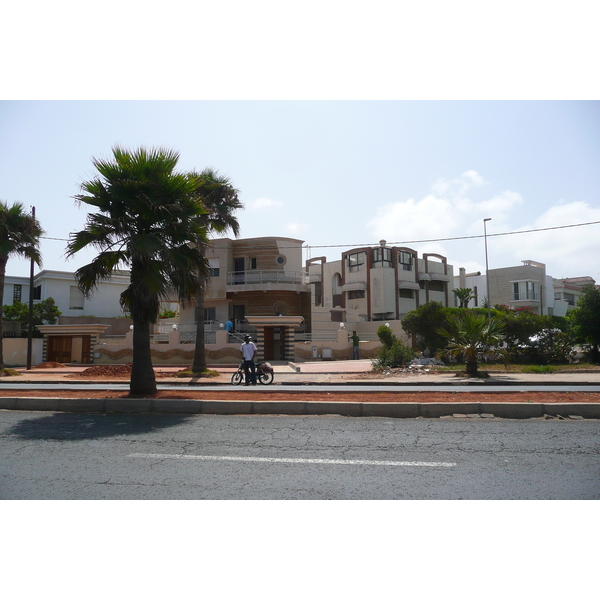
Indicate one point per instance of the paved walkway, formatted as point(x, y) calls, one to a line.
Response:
point(323, 372)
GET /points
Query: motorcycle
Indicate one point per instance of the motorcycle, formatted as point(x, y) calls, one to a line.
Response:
point(264, 374)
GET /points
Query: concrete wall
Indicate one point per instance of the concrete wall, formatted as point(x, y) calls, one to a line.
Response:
point(15, 351)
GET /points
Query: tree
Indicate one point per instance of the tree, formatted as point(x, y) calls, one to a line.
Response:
point(20, 235)
point(151, 221)
point(464, 295)
point(220, 199)
point(44, 313)
point(393, 352)
point(585, 319)
point(470, 333)
point(424, 322)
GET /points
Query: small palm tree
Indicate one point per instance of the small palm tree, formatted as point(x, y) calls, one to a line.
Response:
point(150, 221)
point(221, 200)
point(464, 295)
point(470, 334)
point(20, 235)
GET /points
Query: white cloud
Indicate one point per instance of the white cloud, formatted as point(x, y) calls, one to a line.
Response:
point(412, 219)
point(567, 252)
point(263, 204)
point(448, 213)
point(459, 185)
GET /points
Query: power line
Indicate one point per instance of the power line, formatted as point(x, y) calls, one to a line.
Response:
point(451, 239)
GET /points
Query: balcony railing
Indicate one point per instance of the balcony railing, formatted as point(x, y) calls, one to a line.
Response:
point(262, 277)
point(526, 296)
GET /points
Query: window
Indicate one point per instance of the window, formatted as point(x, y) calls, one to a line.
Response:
point(354, 294)
point(215, 267)
point(405, 293)
point(210, 314)
point(524, 290)
point(570, 298)
point(436, 286)
point(75, 298)
point(382, 255)
point(356, 262)
point(405, 260)
point(252, 263)
point(37, 292)
point(17, 288)
point(281, 260)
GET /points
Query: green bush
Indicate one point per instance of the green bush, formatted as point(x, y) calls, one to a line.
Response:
point(393, 352)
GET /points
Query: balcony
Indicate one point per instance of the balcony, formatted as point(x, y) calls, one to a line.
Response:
point(523, 296)
point(266, 280)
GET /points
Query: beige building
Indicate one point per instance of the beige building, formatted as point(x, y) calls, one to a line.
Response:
point(525, 285)
point(259, 284)
point(374, 284)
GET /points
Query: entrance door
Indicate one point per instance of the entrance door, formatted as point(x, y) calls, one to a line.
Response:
point(274, 348)
point(269, 343)
point(59, 349)
point(239, 267)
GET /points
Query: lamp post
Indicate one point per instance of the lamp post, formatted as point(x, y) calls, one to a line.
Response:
point(487, 275)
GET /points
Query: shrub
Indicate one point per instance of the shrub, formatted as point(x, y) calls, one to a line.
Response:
point(393, 352)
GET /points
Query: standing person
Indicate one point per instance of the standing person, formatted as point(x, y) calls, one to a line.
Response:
point(355, 342)
point(229, 328)
point(248, 350)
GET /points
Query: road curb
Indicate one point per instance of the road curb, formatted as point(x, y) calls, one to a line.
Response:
point(406, 410)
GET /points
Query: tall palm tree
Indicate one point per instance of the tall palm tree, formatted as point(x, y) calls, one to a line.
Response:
point(20, 235)
point(221, 200)
point(150, 221)
point(471, 333)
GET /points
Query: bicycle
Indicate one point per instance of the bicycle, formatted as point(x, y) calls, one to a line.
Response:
point(264, 374)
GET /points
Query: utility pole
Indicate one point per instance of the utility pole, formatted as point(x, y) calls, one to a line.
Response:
point(30, 328)
point(487, 270)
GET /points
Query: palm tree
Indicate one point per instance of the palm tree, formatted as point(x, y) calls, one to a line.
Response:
point(220, 199)
point(150, 221)
point(20, 235)
point(464, 295)
point(471, 333)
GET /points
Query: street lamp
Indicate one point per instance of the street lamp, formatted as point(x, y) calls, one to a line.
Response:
point(487, 275)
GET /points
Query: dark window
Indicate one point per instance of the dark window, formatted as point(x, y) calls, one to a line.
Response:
point(356, 261)
point(382, 255)
point(405, 293)
point(37, 292)
point(354, 294)
point(436, 286)
point(252, 263)
point(216, 272)
point(17, 292)
point(405, 260)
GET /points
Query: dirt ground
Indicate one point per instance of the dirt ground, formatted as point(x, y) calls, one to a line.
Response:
point(305, 395)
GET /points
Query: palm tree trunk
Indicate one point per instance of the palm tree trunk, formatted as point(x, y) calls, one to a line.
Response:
point(199, 364)
point(2, 279)
point(471, 367)
point(142, 373)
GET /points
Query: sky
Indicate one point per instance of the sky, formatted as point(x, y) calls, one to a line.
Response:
point(338, 174)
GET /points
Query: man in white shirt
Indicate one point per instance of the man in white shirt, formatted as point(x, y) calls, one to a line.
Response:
point(248, 350)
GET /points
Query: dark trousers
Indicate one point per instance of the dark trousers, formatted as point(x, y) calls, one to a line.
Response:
point(250, 372)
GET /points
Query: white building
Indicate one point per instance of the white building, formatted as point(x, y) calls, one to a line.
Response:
point(62, 286)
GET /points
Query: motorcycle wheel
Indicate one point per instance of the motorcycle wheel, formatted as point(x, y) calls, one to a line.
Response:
point(265, 378)
point(237, 378)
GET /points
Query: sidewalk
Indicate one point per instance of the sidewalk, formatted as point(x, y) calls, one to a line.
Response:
point(347, 372)
point(293, 378)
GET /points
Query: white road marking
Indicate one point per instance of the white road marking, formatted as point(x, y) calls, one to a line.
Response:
point(318, 461)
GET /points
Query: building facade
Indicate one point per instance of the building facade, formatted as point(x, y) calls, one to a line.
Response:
point(371, 284)
point(259, 284)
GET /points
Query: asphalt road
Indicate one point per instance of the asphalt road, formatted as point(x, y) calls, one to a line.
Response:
point(104, 456)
